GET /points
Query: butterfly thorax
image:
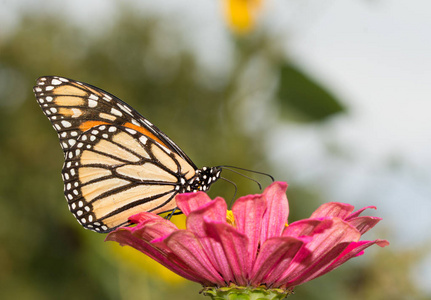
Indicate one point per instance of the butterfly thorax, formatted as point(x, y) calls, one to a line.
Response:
point(203, 179)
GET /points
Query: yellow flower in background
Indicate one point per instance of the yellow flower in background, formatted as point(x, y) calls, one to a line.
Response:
point(241, 15)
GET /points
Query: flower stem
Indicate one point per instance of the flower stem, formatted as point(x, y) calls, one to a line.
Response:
point(234, 292)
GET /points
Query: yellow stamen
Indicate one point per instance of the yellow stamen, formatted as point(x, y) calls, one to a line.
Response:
point(230, 218)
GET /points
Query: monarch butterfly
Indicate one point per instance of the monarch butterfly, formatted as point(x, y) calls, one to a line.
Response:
point(117, 163)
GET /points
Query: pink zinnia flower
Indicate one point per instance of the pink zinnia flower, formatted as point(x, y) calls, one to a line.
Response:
point(252, 245)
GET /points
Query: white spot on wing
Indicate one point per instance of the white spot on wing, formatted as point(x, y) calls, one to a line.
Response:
point(131, 130)
point(76, 112)
point(66, 123)
point(116, 112)
point(143, 139)
point(92, 103)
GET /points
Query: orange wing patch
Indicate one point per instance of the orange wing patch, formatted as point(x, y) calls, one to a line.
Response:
point(90, 124)
point(145, 132)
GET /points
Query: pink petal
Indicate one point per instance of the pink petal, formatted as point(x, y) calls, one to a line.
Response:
point(235, 246)
point(124, 236)
point(354, 249)
point(187, 247)
point(274, 257)
point(307, 227)
point(214, 210)
point(325, 246)
point(154, 226)
point(357, 213)
point(191, 201)
point(333, 209)
point(217, 256)
point(363, 224)
point(248, 212)
point(144, 217)
point(275, 217)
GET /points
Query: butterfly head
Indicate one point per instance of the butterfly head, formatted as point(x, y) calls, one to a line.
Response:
point(204, 178)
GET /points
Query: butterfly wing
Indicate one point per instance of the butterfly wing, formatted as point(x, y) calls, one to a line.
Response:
point(116, 162)
point(74, 107)
point(114, 172)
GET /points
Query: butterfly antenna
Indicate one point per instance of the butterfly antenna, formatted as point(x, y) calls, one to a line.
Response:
point(236, 189)
point(231, 168)
point(247, 170)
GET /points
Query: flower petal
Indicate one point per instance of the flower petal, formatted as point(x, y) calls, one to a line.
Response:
point(124, 236)
point(363, 224)
point(357, 213)
point(189, 202)
point(333, 209)
point(187, 247)
point(275, 217)
point(235, 245)
point(274, 257)
point(307, 227)
point(214, 211)
point(322, 250)
point(217, 256)
point(155, 226)
point(248, 212)
point(354, 249)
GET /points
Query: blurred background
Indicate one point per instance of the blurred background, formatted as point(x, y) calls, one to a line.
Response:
point(331, 96)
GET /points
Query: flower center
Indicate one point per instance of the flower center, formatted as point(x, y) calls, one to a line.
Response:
point(230, 218)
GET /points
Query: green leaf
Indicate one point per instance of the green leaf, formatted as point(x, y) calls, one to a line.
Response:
point(300, 94)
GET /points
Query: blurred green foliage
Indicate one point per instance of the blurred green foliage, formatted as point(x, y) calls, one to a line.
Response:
point(304, 96)
point(44, 253)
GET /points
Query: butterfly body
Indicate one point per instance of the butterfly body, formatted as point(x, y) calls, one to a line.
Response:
point(117, 163)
